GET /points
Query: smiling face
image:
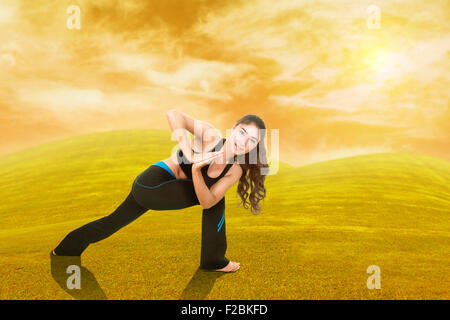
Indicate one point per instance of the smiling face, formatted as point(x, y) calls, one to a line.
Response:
point(244, 137)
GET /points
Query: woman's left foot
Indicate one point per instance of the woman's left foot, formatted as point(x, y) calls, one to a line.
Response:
point(230, 267)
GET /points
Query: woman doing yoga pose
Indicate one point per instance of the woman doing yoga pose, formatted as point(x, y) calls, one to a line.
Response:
point(195, 174)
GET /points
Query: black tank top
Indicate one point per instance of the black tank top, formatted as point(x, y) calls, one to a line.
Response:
point(186, 166)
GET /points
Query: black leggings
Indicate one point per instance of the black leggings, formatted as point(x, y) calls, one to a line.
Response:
point(156, 189)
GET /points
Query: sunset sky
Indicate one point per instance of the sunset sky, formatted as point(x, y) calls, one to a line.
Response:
point(316, 70)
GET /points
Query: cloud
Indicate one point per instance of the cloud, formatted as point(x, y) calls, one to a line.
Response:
point(52, 97)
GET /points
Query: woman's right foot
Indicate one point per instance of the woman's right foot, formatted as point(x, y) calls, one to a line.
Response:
point(230, 267)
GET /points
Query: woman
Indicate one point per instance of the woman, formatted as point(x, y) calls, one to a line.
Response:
point(191, 176)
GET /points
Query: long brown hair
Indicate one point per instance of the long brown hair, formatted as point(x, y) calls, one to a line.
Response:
point(251, 172)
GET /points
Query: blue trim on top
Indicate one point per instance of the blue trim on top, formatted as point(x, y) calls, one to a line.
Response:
point(159, 185)
point(164, 166)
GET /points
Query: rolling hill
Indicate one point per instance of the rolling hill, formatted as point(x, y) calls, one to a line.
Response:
point(321, 226)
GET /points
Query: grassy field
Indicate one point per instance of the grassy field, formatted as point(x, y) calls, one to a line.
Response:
point(321, 227)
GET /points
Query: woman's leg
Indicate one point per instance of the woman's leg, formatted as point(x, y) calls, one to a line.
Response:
point(214, 241)
point(156, 189)
point(78, 240)
point(177, 194)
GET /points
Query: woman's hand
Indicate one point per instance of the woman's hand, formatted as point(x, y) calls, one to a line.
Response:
point(201, 160)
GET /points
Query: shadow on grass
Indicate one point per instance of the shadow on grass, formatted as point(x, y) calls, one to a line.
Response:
point(200, 285)
point(89, 288)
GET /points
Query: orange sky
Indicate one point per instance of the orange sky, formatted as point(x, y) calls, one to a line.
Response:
point(312, 69)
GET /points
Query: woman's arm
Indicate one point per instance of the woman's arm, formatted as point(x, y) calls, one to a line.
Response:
point(209, 197)
point(177, 124)
point(203, 132)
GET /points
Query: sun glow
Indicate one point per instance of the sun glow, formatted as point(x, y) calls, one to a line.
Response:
point(386, 65)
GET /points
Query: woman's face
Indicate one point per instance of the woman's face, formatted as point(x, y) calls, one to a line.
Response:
point(244, 138)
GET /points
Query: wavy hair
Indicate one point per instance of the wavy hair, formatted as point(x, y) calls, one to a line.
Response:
point(251, 172)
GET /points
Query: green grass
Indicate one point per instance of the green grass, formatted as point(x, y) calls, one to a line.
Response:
point(322, 225)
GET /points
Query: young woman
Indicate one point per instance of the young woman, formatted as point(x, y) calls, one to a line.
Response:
point(195, 174)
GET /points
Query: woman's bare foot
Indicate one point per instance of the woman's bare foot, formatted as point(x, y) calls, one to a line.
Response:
point(230, 267)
